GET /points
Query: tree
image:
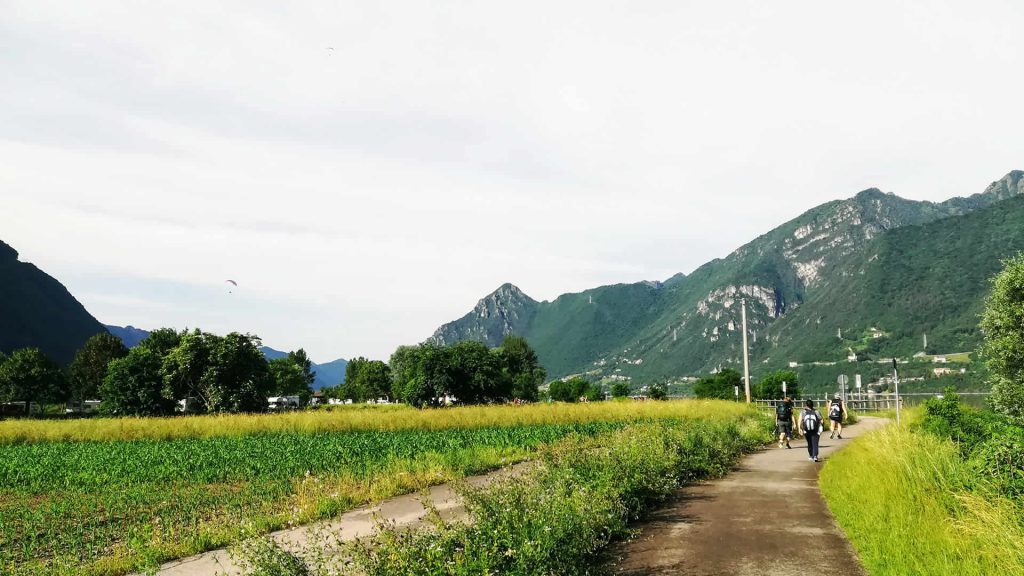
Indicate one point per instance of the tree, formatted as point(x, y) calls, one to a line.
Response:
point(28, 376)
point(289, 379)
point(475, 373)
point(89, 367)
point(185, 365)
point(237, 379)
point(770, 386)
point(162, 340)
point(1002, 324)
point(620, 389)
point(134, 385)
point(520, 368)
point(657, 391)
point(301, 360)
point(366, 380)
point(569, 390)
point(721, 385)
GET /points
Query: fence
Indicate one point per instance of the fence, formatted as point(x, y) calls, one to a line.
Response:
point(859, 404)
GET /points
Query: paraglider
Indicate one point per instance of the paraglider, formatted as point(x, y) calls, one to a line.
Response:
point(231, 282)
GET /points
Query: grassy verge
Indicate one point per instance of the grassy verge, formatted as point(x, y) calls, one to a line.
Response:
point(120, 495)
point(554, 519)
point(911, 505)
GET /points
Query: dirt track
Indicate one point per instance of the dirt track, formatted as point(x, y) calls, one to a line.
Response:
point(766, 517)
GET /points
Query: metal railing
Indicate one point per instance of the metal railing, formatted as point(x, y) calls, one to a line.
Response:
point(859, 404)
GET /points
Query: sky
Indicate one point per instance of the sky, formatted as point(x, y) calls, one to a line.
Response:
point(366, 171)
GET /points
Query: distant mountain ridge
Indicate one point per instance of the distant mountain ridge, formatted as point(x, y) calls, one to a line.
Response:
point(38, 311)
point(790, 278)
point(327, 374)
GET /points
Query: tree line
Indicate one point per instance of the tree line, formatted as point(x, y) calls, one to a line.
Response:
point(211, 373)
point(466, 372)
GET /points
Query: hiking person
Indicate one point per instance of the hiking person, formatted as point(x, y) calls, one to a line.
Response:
point(785, 421)
point(811, 423)
point(836, 416)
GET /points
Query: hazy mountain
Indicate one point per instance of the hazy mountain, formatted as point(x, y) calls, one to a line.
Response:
point(38, 311)
point(803, 282)
point(327, 374)
point(129, 335)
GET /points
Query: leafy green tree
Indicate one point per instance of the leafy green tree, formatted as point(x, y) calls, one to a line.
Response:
point(289, 379)
point(301, 360)
point(721, 385)
point(657, 391)
point(569, 390)
point(475, 373)
point(366, 380)
point(162, 340)
point(1002, 324)
point(521, 368)
point(620, 389)
point(185, 365)
point(28, 375)
point(770, 386)
point(134, 385)
point(89, 367)
point(238, 379)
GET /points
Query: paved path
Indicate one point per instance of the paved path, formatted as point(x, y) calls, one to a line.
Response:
point(405, 510)
point(767, 517)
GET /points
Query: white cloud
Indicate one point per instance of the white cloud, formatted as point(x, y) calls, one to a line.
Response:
point(364, 195)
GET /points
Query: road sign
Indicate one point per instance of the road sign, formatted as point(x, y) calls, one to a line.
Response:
point(843, 380)
point(857, 380)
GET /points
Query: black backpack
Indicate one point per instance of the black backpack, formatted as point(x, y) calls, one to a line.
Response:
point(835, 410)
point(783, 412)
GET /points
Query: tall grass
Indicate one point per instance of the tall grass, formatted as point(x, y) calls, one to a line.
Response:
point(356, 418)
point(553, 519)
point(911, 505)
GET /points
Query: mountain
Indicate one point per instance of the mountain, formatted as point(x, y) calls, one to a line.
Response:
point(38, 311)
point(831, 269)
point(327, 374)
point(129, 335)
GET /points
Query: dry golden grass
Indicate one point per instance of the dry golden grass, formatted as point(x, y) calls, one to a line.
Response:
point(358, 418)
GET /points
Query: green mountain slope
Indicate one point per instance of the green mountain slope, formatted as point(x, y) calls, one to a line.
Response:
point(790, 278)
point(38, 311)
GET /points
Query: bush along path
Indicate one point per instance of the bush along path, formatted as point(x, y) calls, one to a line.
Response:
point(556, 517)
point(766, 517)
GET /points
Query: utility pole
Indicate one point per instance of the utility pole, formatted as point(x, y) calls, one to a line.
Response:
point(896, 383)
point(746, 358)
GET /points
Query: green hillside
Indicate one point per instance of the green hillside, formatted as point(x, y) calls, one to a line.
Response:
point(830, 269)
point(37, 311)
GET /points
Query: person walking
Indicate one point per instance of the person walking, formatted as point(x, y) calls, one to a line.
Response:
point(785, 421)
point(836, 417)
point(811, 423)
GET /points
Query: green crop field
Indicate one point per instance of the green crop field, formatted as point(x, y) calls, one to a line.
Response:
point(110, 496)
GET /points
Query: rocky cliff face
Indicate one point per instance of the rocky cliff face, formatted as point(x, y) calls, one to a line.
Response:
point(505, 311)
point(38, 311)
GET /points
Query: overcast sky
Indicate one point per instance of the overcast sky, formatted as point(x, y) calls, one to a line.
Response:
point(366, 171)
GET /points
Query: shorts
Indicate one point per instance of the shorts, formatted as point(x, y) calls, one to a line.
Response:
point(785, 427)
point(836, 419)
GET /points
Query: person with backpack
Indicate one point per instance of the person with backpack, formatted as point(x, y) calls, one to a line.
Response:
point(785, 421)
point(836, 416)
point(811, 423)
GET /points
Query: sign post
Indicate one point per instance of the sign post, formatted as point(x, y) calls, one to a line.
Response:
point(783, 389)
point(843, 380)
point(896, 384)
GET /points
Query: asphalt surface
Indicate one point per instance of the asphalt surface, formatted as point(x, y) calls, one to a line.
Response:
point(766, 517)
